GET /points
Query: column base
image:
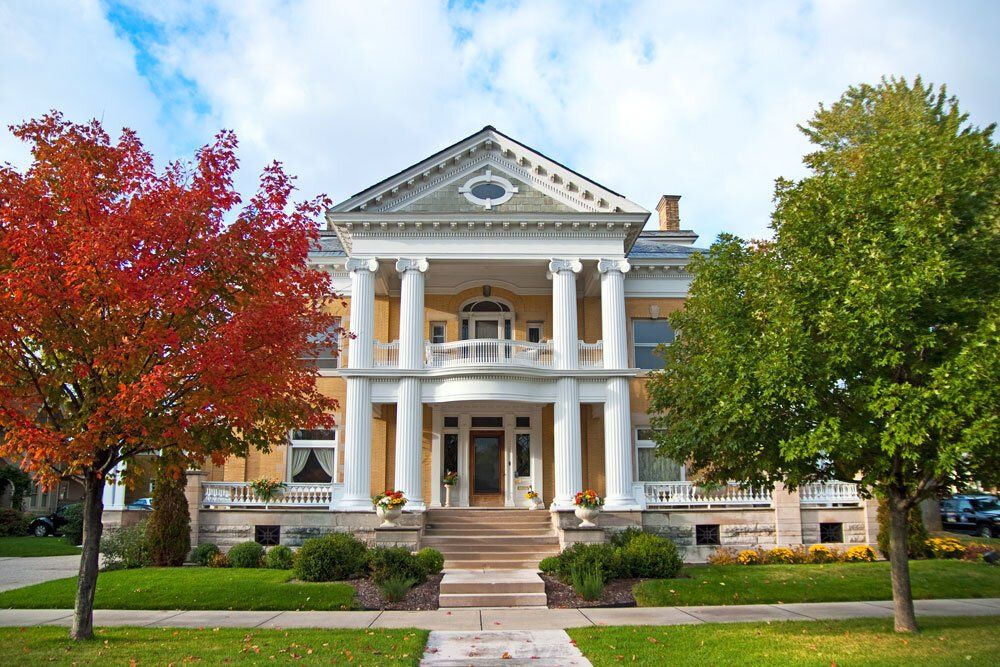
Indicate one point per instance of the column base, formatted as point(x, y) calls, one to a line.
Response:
point(415, 506)
point(562, 506)
point(621, 505)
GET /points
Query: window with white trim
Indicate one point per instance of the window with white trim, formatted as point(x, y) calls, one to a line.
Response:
point(312, 455)
point(647, 335)
point(328, 355)
point(534, 332)
point(438, 332)
point(650, 466)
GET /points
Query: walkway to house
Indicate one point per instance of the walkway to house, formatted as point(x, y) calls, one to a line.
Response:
point(18, 572)
point(464, 620)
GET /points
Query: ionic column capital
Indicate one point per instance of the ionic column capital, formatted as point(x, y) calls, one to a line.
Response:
point(404, 264)
point(559, 265)
point(620, 265)
point(355, 264)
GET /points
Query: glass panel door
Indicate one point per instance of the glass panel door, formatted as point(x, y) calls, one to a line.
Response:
point(487, 468)
point(487, 329)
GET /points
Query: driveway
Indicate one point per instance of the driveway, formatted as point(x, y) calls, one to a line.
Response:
point(18, 572)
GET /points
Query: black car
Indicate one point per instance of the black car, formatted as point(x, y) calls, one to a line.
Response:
point(49, 524)
point(978, 514)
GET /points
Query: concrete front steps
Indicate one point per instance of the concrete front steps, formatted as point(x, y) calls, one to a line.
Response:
point(491, 588)
point(491, 555)
point(480, 539)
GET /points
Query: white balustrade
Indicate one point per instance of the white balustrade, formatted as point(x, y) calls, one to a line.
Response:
point(385, 355)
point(489, 351)
point(592, 354)
point(241, 494)
point(829, 494)
point(691, 494)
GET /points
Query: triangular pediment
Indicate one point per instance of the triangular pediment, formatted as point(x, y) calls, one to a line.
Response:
point(534, 183)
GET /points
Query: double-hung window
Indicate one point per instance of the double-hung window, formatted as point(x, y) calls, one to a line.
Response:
point(327, 356)
point(650, 467)
point(647, 335)
point(312, 455)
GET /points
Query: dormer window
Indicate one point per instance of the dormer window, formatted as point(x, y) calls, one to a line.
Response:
point(488, 190)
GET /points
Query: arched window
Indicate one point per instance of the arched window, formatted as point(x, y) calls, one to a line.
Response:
point(486, 306)
point(487, 318)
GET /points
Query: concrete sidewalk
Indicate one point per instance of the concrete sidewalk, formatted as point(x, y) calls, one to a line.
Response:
point(502, 619)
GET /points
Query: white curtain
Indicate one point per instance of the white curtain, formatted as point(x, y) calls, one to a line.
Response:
point(299, 457)
point(327, 458)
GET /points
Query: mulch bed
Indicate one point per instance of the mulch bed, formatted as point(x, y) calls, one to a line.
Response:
point(420, 598)
point(617, 593)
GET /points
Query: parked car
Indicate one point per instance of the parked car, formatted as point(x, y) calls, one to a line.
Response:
point(141, 504)
point(978, 514)
point(50, 524)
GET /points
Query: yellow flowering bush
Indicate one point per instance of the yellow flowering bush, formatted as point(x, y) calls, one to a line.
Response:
point(781, 555)
point(723, 556)
point(820, 553)
point(860, 554)
point(945, 547)
point(749, 557)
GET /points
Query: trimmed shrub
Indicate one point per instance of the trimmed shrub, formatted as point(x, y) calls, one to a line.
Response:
point(73, 529)
point(549, 564)
point(586, 557)
point(624, 537)
point(860, 554)
point(168, 532)
point(218, 560)
point(648, 556)
point(916, 532)
point(330, 558)
point(395, 562)
point(203, 553)
point(280, 557)
point(723, 556)
point(13, 523)
point(781, 556)
point(431, 559)
point(125, 547)
point(246, 554)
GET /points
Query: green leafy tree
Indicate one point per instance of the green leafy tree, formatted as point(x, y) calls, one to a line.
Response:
point(168, 533)
point(863, 342)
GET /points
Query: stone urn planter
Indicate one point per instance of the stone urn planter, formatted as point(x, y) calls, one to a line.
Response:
point(587, 515)
point(535, 503)
point(447, 495)
point(388, 516)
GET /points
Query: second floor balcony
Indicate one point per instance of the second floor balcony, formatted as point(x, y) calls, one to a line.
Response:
point(479, 352)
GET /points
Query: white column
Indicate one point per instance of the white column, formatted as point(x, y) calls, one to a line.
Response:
point(617, 408)
point(409, 409)
point(358, 408)
point(565, 338)
point(114, 491)
point(567, 462)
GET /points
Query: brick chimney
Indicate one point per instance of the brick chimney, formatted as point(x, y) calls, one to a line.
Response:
point(669, 210)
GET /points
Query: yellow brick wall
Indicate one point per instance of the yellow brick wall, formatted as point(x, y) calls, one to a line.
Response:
point(548, 453)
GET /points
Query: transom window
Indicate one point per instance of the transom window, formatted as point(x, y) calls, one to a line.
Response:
point(486, 306)
point(647, 335)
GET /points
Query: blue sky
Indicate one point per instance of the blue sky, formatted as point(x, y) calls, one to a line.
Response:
point(699, 99)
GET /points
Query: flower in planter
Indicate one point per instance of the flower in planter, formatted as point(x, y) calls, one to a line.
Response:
point(266, 488)
point(531, 494)
point(390, 500)
point(450, 478)
point(588, 499)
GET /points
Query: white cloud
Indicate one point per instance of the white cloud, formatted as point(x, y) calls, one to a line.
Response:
point(697, 99)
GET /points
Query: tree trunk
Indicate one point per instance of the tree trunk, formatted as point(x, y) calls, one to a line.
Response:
point(93, 507)
point(899, 561)
point(930, 512)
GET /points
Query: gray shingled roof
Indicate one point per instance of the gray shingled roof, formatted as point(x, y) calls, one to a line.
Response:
point(650, 245)
point(329, 246)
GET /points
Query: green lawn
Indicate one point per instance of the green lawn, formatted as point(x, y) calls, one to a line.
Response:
point(36, 546)
point(944, 641)
point(188, 588)
point(208, 646)
point(836, 582)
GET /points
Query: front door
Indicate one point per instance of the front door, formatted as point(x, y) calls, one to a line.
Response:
point(486, 463)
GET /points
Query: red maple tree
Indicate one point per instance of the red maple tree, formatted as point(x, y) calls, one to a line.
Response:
point(135, 316)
